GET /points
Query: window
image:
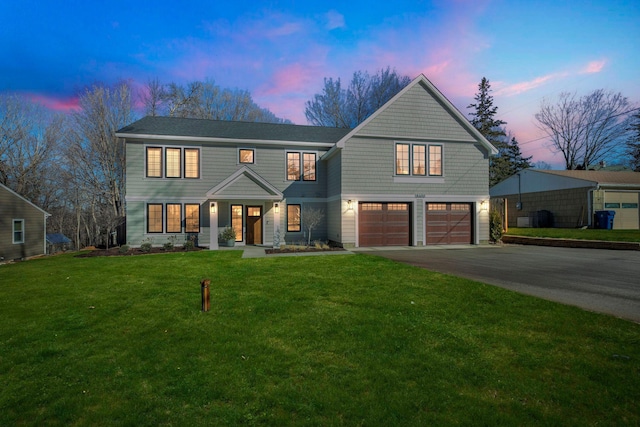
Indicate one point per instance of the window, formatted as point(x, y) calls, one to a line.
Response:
point(435, 160)
point(612, 205)
point(419, 160)
point(629, 206)
point(245, 155)
point(173, 162)
point(192, 218)
point(176, 163)
point(154, 218)
point(305, 171)
point(309, 167)
point(371, 206)
point(460, 207)
point(236, 221)
point(293, 218)
point(397, 207)
point(412, 159)
point(18, 231)
point(293, 166)
point(436, 206)
point(154, 162)
point(402, 159)
point(191, 163)
point(174, 218)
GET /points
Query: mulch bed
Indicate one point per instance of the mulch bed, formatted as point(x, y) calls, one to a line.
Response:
point(296, 250)
point(132, 251)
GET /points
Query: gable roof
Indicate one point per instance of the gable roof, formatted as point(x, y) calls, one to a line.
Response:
point(538, 180)
point(451, 109)
point(599, 177)
point(245, 183)
point(176, 128)
point(57, 238)
point(22, 198)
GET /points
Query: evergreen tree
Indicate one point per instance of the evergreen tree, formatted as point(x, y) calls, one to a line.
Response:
point(633, 143)
point(509, 159)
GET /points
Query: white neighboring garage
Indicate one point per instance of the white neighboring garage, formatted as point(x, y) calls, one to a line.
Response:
point(572, 197)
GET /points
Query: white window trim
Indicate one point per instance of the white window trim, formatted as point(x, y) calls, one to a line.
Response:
point(13, 231)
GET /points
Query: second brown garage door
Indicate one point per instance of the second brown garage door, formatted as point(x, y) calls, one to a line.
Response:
point(384, 224)
point(448, 223)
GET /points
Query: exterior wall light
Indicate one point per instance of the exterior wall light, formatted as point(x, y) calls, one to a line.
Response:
point(349, 205)
point(213, 207)
point(484, 205)
point(276, 207)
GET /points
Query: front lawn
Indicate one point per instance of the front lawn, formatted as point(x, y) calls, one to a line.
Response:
point(578, 233)
point(340, 340)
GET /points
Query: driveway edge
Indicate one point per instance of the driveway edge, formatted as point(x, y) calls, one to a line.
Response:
point(571, 243)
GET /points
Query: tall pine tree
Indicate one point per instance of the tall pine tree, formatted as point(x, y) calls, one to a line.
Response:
point(509, 159)
point(633, 143)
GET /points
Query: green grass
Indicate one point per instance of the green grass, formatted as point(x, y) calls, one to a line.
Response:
point(577, 233)
point(339, 340)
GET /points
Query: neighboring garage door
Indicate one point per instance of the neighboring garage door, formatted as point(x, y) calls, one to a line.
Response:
point(625, 205)
point(448, 223)
point(384, 224)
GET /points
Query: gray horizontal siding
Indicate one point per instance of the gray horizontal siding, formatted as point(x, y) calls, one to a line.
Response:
point(417, 114)
point(13, 207)
point(368, 168)
point(217, 163)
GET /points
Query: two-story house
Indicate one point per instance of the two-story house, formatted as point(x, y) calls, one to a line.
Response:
point(414, 173)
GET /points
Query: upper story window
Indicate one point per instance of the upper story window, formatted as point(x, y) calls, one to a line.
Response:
point(154, 162)
point(192, 163)
point(172, 162)
point(18, 231)
point(418, 159)
point(301, 166)
point(246, 155)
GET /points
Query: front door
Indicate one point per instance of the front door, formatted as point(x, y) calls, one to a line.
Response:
point(254, 225)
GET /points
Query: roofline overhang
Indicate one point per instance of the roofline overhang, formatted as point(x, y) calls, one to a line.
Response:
point(153, 137)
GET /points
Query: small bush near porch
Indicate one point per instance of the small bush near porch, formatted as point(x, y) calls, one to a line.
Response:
point(340, 340)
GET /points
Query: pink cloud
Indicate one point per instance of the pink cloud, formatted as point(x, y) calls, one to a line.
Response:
point(63, 105)
point(594, 67)
point(522, 87)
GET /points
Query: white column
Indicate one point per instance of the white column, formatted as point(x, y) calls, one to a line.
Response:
point(213, 225)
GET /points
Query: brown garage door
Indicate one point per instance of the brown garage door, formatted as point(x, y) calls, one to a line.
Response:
point(448, 223)
point(384, 224)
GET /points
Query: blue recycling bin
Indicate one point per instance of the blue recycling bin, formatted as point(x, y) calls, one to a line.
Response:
point(604, 219)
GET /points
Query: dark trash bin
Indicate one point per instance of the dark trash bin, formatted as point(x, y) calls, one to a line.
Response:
point(604, 219)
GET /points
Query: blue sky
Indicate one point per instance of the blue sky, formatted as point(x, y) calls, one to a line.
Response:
point(281, 50)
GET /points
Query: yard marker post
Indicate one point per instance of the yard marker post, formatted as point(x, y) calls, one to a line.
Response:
point(204, 290)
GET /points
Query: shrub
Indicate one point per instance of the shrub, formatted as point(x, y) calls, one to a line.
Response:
point(495, 226)
point(146, 245)
point(168, 246)
point(123, 249)
point(228, 234)
point(189, 244)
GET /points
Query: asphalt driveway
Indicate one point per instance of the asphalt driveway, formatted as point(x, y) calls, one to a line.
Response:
point(600, 280)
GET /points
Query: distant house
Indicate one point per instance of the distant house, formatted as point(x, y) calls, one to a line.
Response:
point(571, 196)
point(415, 173)
point(22, 227)
point(57, 242)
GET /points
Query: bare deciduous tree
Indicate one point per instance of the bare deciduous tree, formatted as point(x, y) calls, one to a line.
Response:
point(29, 137)
point(585, 129)
point(311, 218)
point(97, 156)
point(347, 108)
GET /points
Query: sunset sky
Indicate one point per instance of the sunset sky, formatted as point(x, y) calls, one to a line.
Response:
point(281, 50)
